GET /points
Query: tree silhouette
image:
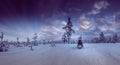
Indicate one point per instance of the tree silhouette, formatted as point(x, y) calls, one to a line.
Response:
point(102, 37)
point(69, 30)
point(115, 38)
point(64, 38)
point(18, 43)
point(17, 39)
point(35, 39)
point(28, 40)
point(2, 36)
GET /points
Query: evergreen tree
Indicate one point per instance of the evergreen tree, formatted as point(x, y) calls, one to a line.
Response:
point(115, 38)
point(102, 38)
point(2, 36)
point(110, 39)
point(69, 30)
point(35, 39)
point(17, 39)
point(28, 41)
point(64, 38)
point(18, 43)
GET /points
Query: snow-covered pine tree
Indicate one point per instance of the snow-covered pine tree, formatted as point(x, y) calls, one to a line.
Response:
point(69, 30)
point(35, 39)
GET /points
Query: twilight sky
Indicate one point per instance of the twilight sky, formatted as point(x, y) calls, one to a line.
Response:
point(23, 18)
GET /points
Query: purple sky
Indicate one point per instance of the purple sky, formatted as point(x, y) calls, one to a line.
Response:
point(23, 18)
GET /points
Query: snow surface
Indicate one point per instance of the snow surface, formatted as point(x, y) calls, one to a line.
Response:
point(63, 54)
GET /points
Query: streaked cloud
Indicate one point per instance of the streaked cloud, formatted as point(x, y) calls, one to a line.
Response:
point(98, 7)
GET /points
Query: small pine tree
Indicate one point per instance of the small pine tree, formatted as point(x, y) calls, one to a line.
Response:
point(18, 43)
point(28, 41)
point(115, 38)
point(102, 38)
point(64, 38)
point(110, 39)
point(35, 39)
point(2, 36)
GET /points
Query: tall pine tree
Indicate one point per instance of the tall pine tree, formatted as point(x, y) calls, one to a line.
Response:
point(69, 30)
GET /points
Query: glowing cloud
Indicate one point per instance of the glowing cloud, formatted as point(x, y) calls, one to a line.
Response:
point(85, 25)
point(63, 23)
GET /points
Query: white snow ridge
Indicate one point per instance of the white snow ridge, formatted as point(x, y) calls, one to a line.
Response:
point(63, 54)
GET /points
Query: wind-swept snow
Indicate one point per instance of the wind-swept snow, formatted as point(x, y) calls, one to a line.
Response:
point(63, 54)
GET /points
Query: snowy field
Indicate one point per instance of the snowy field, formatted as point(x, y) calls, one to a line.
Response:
point(63, 54)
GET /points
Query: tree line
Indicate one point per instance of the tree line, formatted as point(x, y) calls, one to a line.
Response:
point(114, 38)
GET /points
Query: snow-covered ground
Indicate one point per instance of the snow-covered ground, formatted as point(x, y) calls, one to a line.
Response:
point(63, 54)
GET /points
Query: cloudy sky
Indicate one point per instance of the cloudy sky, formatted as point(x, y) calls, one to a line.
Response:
point(23, 18)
